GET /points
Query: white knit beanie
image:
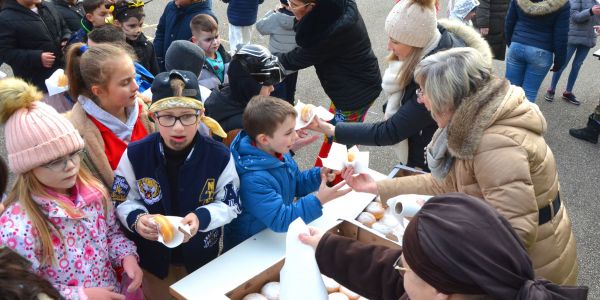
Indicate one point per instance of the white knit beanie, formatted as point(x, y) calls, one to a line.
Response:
point(412, 22)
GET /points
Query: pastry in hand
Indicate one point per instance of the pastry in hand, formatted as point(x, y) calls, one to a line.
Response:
point(63, 80)
point(351, 156)
point(167, 229)
point(306, 112)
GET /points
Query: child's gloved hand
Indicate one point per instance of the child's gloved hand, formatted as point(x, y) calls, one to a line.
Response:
point(133, 270)
point(102, 293)
point(326, 194)
point(147, 228)
point(192, 220)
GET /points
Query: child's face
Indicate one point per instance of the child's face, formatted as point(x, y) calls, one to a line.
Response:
point(60, 174)
point(121, 89)
point(282, 140)
point(208, 41)
point(132, 28)
point(179, 134)
point(98, 16)
point(183, 3)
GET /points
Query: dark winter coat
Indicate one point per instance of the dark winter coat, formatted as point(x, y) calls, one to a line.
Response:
point(144, 50)
point(333, 38)
point(72, 14)
point(412, 121)
point(242, 12)
point(24, 35)
point(174, 24)
point(541, 24)
point(491, 14)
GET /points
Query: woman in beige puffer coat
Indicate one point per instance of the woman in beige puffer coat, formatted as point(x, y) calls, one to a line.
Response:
point(490, 145)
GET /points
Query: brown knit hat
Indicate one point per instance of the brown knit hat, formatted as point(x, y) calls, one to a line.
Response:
point(412, 22)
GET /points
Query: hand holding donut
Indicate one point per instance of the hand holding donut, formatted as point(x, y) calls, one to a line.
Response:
point(192, 220)
point(146, 227)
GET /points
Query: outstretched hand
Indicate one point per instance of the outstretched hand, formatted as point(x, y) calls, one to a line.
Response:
point(361, 183)
point(313, 238)
point(326, 194)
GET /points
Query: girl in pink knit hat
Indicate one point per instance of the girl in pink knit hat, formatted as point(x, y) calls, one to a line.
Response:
point(58, 216)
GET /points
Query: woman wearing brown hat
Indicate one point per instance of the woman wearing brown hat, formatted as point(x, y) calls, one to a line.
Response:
point(456, 247)
point(490, 145)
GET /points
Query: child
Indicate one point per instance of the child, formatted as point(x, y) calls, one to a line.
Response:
point(97, 13)
point(464, 11)
point(176, 172)
point(18, 282)
point(129, 16)
point(71, 11)
point(279, 25)
point(269, 175)
point(205, 33)
point(174, 24)
point(58, 215)
point(241, 15)
point(32, 38)
point(108, 113)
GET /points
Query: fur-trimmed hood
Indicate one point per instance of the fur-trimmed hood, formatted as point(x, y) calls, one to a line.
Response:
point(541, 8)
point(496, 104)
point(326, 18)
point(471, 37)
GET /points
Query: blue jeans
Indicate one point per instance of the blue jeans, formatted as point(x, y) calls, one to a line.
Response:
point(526, 66)
point(580, 52)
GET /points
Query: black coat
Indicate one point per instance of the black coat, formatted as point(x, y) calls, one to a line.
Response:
point(491, 14)
point(24, 35)
point(144, 50)
point(333, 38)
point(412, 121)
point(72, 14)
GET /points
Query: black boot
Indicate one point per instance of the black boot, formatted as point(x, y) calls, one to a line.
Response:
point(589, 133)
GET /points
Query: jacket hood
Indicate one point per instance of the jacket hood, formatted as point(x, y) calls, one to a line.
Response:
point(496, 104)
point(469, 36)
point(326, 18)
point(540, 8)
point(196, 7)
point(250, 158)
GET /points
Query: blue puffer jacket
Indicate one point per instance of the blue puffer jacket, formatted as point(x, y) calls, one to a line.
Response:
point(174, 24)
point(542, 24)
point(242, 12)
point(268, 188)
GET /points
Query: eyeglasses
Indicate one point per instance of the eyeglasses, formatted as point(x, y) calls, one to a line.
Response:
point(185, 120)
point(61, 163)
point(420, 93)
point(398, 266)
point(293, 7)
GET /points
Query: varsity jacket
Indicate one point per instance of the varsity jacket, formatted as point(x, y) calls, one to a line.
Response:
point(208, 185)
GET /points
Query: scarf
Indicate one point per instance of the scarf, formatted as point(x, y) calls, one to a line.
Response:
point(439, 159)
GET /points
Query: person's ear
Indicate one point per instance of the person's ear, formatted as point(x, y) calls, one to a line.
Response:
point(152, 116)
point(194, 39)
point(117, 23)
point(441, 296)
point(262, 139)
point(201, 112)
point(89, 17)
point(97, 91)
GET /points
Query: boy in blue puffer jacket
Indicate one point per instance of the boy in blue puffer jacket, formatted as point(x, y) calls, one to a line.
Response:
point(174, 24)
point(242, 16)
point(273, 191)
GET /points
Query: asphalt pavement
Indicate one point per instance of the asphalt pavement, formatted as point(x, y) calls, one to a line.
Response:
point(578, 161)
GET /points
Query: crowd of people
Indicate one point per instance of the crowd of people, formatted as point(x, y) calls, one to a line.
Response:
point(106, 130)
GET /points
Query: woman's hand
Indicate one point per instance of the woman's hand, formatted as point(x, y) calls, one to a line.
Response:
point(147, 228)
point(361, 183)
point(319, 125)
point(313, 238)
point(133, 270)
point(191, 219)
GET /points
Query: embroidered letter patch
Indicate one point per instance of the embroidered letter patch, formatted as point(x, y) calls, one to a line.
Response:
point(120, 189)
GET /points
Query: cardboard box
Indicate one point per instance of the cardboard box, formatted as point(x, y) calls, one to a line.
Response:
point(401, 170)
point(346, 228)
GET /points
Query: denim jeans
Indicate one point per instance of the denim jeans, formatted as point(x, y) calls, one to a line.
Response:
point(580, 52)
point(526, 66)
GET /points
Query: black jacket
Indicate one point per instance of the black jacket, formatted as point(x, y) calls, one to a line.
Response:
point(72, 14)
point(491, 14)
point(412, 121)
point(24, 35)
point(144, 50)
point(333, 38)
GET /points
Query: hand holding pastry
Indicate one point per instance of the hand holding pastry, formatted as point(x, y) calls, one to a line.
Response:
point(166, 229)
point(192, 220)
point(146, 227)
point(313, 238)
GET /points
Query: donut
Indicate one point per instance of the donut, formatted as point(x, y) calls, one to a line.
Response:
point(63, 80)
point(351, 156)
point(271, 290)
point(306, 112)
point(254, 296)
point(351, 295)
point(376, 209)
point(331, 285)
point(167, 229)
point(390, 220)
point(382, 228)
point(338, 296)
point(366, 218)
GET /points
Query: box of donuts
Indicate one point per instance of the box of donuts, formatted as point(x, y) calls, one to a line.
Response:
point(265, 286)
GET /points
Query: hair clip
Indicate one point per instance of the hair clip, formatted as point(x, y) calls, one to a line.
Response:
point(83, 48)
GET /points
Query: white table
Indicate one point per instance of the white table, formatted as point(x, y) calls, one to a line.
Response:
point(263, 250)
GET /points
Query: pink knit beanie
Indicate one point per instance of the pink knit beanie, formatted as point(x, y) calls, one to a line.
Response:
point(35, 133)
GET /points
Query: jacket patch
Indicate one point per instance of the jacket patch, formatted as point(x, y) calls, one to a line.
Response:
point(211, 238)
point(232, 198)
point(120, 189)
point(149, 190)
point(208, 192)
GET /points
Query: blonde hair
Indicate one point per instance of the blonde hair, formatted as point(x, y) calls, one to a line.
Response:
point(27, 186)
point(450, 76)
point(405, 75)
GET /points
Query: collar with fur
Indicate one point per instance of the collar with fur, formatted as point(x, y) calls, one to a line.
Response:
point(326, 18)
point(541, 8)
point(470, 37)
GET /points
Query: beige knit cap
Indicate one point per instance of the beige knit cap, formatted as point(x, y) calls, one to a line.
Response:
point(412, 22)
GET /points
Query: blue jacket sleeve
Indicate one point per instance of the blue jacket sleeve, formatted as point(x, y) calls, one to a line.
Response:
point(561, 33)
point(263, 202)
point(307, 181)
point(159, 40)
point(510, 21)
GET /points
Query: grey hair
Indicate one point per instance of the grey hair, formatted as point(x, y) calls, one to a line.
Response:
point(450, 76)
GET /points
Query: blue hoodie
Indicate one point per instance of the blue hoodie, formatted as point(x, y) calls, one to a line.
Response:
point(268, 188)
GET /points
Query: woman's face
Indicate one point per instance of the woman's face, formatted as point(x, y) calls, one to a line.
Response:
point(417, 288)
point(401, 51)
point(300, 8)
point(441, 120)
